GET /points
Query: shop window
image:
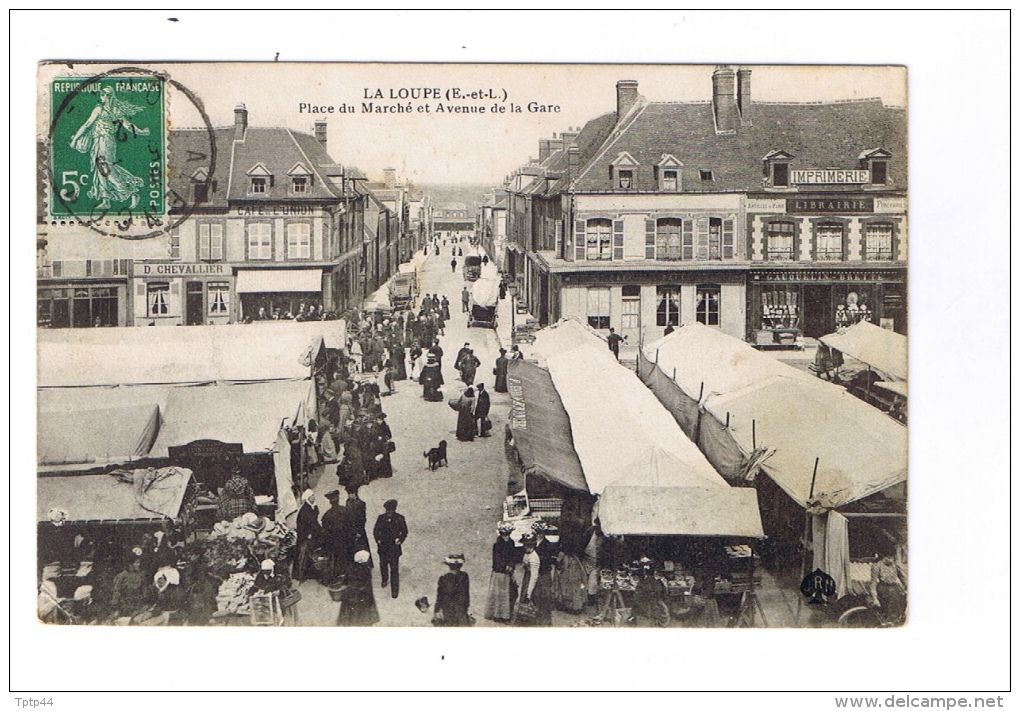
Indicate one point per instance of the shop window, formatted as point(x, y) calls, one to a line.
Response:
point(158, 298)
point(78, 307)
point(829, 242)
point(219, 298)
point(210, 242)
point(667, 310)
point(706, 308)
point(878, 242)
point(668, 239)
point(598, 308)
point(260, 240)
point(299, 240)
point(780, 308)
point(853, 308)
point(598, 239)
point(780, 242)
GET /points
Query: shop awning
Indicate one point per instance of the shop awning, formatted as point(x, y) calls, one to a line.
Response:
point(680, 511)
point(541, 427)
point(279, 281)
point(102, 497)
point(880, 348)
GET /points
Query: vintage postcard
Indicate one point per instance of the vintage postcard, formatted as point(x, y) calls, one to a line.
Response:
point(453, 345)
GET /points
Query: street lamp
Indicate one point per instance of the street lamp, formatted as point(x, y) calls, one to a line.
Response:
point(512, 290)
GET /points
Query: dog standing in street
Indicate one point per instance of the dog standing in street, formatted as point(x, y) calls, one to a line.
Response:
point(437, 456)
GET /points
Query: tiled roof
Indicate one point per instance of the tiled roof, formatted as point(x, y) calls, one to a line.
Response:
point(277, 149)
point(819, 135)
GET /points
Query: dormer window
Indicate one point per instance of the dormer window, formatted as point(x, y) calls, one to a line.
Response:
point(201, 185)
point(261, 180)
point(300, 179)
point(625, 169)
point(706, 175)
point(876, 161)
point(668, 173)
point(777, 168)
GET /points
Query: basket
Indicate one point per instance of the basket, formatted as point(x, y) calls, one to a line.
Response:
point(336, 592)
point(319, 559)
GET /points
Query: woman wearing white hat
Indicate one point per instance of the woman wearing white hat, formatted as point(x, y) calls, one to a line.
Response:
point(357, 604)
point(453, 595)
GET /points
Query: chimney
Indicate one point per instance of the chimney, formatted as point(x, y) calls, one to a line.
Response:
point(320, 133)
point(626, 97)
point(543, 149)
point(723, 100)
point(568, 137)
point(240, 121)
point(555, 144)
point(744, 95)
point(573, 162)
point(390, 177)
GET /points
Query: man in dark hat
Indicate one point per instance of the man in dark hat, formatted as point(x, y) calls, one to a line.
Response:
point(390, 532)
point(482, 411)
point(334, 540)
point(460, 355)
point(431, 379)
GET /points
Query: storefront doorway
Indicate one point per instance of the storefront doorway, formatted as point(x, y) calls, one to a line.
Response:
point(630, 314)
point(194, 308)
point(817, 308)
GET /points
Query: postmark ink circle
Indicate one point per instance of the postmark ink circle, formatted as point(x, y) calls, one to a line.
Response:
point(109, 167)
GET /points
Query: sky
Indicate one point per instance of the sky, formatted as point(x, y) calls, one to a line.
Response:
point(477, 148)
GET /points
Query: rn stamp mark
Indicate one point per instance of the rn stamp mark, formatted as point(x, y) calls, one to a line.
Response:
point(108, 147)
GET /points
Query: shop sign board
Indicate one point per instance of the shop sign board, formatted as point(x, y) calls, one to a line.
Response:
point(180, 269)
point(834, 205)
point(830, 176)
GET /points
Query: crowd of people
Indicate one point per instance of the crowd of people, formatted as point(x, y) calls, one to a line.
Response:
point(268, 310)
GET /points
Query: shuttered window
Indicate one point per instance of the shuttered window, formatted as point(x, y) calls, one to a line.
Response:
point(617, 239)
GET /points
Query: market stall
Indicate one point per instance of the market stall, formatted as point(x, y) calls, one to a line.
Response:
point(696, 542)
point(546, 479)
point(878, 349)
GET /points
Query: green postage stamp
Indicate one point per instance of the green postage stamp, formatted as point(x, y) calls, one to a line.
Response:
point(108, 148)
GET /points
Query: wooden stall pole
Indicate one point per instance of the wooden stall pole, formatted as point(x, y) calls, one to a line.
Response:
point(754, 435)
point(727, 420)
point(697, 423)
point(807, 533)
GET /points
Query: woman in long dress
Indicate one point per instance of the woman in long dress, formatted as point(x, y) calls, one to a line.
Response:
point(499, 605)
point(98, 137)
point(500, 372)
point(357, 606)
point(466, 416)
point(431, 379)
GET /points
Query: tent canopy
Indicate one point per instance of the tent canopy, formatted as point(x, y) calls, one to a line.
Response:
point(700, 354)
point(96, 436)
point(612, 415)
point(250, 414)
point(541, 427)
point(101, 497)
point(880, 348)
point(565, 336)
point(860, 450)
point(485, 292)
point(192, 354)
point(680, 511)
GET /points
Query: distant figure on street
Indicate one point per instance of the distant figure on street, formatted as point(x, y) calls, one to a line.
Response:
point(482, 411)
point(390, 532)
point(469, 367)
point(500, 371)
point(309, 531)
point(357, 608)
point(431, 379)
point(333, 539)
point(466, 416)
point(445, 308)
point(502, 289)
point(465, 298)
point(615, 340)
point(453, 265)
point(453, 595)
point(485, 259)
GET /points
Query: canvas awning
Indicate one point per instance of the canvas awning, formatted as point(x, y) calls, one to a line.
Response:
point(860, 450)
point(96, 436)
point(882, 349)
point(75, 357)
point(102, 497)
point(679, 511)
point(261, 281)
point(613, 416)
point(250, 414)
point(541, 427)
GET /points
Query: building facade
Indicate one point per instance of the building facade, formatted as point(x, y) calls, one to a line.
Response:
point(277, 228)
point(768, 221)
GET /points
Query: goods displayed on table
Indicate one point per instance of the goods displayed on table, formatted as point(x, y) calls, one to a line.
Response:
point(677, 580)
point(233, 594)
